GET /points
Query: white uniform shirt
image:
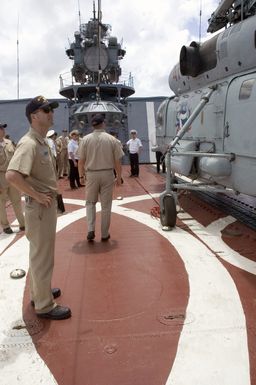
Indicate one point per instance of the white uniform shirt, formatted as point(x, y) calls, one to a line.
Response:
point(52, 146)
point(134, 145)
point(73, 147)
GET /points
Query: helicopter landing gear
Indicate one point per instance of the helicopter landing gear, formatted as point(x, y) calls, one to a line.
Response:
point(168, 212)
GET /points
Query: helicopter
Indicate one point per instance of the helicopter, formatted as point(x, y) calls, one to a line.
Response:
point(206, 130)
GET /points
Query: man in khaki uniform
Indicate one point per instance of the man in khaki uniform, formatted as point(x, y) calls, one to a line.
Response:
point(62, 154)
point(8, 192)
point(99, 154)
point(32, 171)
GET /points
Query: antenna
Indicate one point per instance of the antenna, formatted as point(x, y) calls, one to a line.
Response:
point(18, 61)
point(94, 14)
point(99, 39)
point(99, 11)
point(200, 21)
point(79, 14)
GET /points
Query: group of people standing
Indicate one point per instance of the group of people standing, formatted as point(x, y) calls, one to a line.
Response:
point(31, 169)
point(64, 150)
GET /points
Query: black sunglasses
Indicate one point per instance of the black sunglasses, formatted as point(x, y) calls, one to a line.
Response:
point(47, 109)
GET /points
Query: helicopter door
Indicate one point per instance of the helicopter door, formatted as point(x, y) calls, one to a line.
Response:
point(240, 126)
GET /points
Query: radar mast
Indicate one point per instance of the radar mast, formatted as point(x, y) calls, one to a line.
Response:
point(95, 85)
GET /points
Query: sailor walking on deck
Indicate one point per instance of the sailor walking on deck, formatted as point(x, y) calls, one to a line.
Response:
point(99, 153)
point(32, 171)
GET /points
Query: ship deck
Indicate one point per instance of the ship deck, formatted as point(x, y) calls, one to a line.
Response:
point(149, 307)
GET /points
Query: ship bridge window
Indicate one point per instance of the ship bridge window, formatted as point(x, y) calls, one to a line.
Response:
point(246, 89)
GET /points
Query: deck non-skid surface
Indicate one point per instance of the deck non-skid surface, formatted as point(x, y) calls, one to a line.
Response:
point(149, 307)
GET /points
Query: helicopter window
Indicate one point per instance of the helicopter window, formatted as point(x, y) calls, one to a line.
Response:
point(246, 89)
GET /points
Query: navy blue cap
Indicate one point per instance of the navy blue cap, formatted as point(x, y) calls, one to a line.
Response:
point(97, 119)
point(39, 102)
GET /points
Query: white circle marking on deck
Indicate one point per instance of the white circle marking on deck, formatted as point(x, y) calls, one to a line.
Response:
point(213, 349)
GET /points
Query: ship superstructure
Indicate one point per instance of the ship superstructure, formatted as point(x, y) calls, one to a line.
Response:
point(96, 86)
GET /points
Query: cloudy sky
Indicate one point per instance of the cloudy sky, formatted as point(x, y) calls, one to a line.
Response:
point(152, 33)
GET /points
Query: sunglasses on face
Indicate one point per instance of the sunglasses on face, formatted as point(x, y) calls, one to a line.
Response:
point(47, 109)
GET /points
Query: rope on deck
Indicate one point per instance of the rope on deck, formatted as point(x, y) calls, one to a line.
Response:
point(155, 212)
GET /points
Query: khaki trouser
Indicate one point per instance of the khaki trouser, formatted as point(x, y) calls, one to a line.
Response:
point(63, 165)
point(10, 193)
point(99, 183)
point(40, 231)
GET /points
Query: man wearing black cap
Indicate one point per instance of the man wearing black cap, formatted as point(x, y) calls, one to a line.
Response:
point(7, 191)
point(32, 171)
point(99, 153)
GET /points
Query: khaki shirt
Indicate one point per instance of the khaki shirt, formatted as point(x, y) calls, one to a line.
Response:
point(6, 153)
point(58, 145)
point(33, 159)
point(99, 150)
point(62, 142)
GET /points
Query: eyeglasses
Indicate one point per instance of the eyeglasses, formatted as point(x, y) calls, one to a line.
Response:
point(46, 110)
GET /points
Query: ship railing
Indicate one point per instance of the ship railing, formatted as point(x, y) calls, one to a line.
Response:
point(66, 80)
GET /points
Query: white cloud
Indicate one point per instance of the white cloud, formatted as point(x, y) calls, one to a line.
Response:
point(152, 33)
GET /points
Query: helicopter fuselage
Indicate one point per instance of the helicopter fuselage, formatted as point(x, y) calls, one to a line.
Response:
point(225, 127)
